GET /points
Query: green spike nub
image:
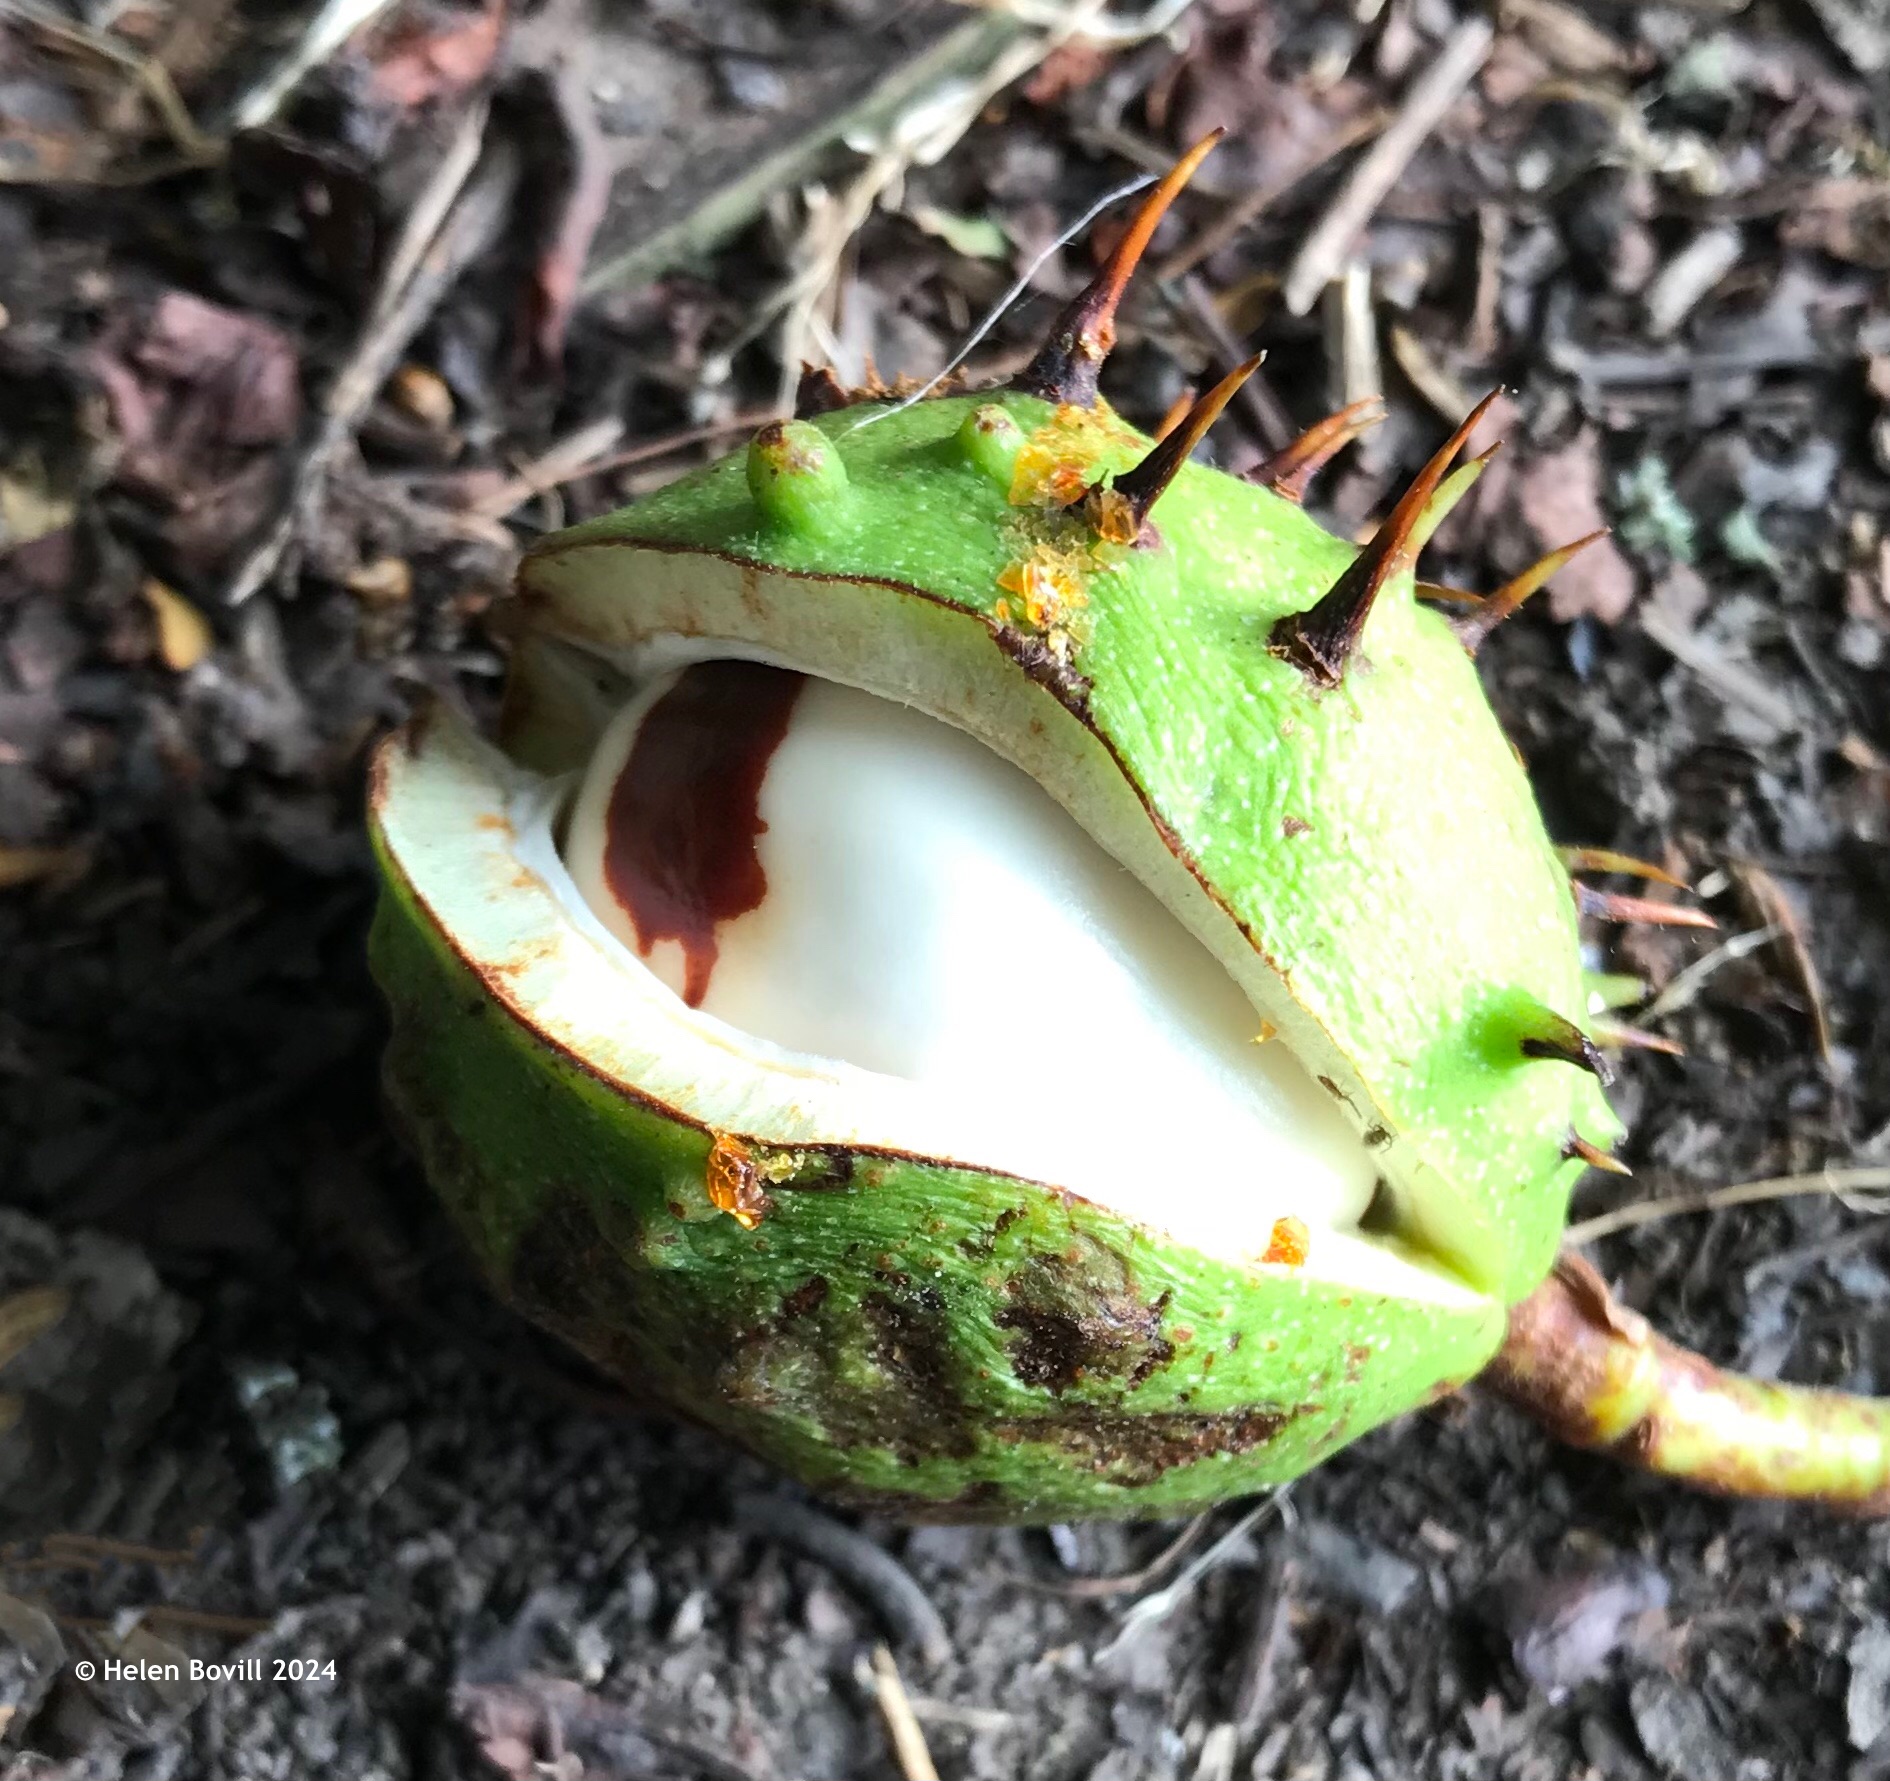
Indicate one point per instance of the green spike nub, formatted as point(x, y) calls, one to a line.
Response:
point(797, 479)
point(1322, 640)
point(991, 440)
point(1456, 485)
point(1612, 989)
point(1553, 1037)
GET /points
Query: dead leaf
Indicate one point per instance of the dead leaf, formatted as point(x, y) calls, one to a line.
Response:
point(578, 214)
point(1067, 69)
point(28, 865)
point(1558, 497)
point(27, 1315)
point(387, 581)
point(192, 387)
point(184, 636)
point(420, 65)
point(423, 394)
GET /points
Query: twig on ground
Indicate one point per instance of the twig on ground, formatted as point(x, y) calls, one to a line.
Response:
point(887, 1586)
point(1098, 26)
point(1483, 335)
point(1164, 1601)
point(558, 269)
point(1835, 1182)
point(918, 136)
point(194, 148)
point(1775, 909)
point(1681, 991)
point(575, 455)
point(1259, 1661)
point(1352, 333)
point(1096, 1589)
point(1430, 379)
point(1325, 250)
point(1788, 1263)
point(130, 1552)
point(1246, 211)
point(453, 221)
point(331, 26)
point(902, 1726)
point(582, 455)
point(1255, 398)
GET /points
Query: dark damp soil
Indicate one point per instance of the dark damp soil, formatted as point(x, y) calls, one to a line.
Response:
point(278, 1425)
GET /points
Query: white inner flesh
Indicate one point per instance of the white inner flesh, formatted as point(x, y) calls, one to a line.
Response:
point(933, 916)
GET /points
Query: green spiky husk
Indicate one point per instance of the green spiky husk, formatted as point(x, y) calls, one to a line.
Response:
point(930, 1341)
point(1376, 846)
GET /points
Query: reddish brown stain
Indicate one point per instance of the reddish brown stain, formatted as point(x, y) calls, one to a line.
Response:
point(684, 817)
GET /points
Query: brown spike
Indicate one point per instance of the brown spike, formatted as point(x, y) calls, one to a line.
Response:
point(1575, 1145)
point(1605, 906)
point(1455, 486)
point(1288, 472)
point(1605, 859)
point(1502, 604)
point(1177, 413)
point(1320, 641)
point(1135, 491)
point(1066, 365)
point(1455, 596)
point(1611, 1036)
point(819, 391)
point(1564, 1042)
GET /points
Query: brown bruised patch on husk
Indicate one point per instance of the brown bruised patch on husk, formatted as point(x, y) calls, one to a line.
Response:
point(1037, 659)
point(569, 1275)
point(805, 1299)
point(1077, 1314)
point(921, 1413)
point(1138, 1450)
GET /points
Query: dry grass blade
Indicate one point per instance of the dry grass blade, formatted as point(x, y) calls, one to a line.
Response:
point(1835, 1182)
point(902, 1724)
point(1681, 991)
point(1096, 1589)
point(1774, 908)
point(27, 1315)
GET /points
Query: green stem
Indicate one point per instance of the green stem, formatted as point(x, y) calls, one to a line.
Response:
point(1597, 1376)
